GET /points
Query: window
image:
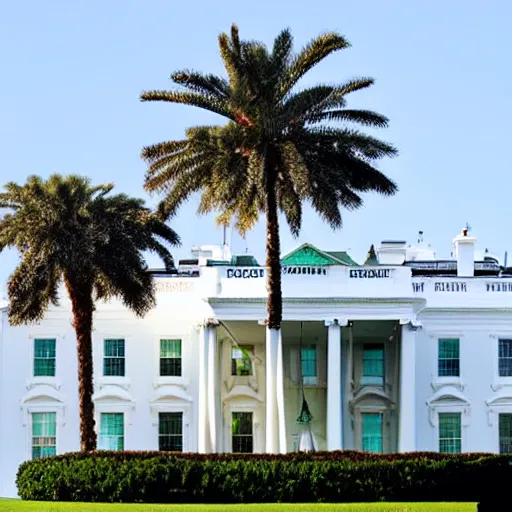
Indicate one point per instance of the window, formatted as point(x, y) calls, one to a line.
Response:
point(371, 428)
point(113, 362)
point(44, 358)
point(111, 431)
point(308, 364)
point(505, 358)
point(241, 361)
point(44, 432)
point(505, 428)
point(242, 432)
point(448, 361)
point(450, 432)
point(170, 431)
point(373, 364)
point(170, 358)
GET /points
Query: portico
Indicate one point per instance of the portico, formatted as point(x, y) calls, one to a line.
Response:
point(355, 374)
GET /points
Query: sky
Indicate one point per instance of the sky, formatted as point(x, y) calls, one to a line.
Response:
point(71, 75)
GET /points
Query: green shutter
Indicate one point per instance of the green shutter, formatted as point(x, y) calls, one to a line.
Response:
point(44, 358)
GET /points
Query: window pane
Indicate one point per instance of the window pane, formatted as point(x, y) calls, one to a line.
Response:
point(44, 428)
point(308, 361)
point(170, 358)
point(450, 432)
point(372, 432)
point(114, 348)
point(170, 348)
point(113, 361)
point(505, 433)
point(242, 439)
point(170, 431)
point(111, 431)
point(241, 361)
point(448, 358)
point(505, 358)
point(44, 358)
point(373, 361)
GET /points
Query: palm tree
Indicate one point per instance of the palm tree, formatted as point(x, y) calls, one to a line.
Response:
point(69, 231)
point(280, 148)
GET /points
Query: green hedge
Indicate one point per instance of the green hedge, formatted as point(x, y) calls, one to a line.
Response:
point(156, 477)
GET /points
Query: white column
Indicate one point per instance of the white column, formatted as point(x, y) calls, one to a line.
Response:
point(271, 417)
point(213, 389)
point(334, 388)
point(407, 411)
point(347, 371)
point(202, 402)
point(280, 396)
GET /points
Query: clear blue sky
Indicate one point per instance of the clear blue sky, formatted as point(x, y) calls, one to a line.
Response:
point(71, 74)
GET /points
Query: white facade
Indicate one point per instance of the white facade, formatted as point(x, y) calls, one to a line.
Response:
point(408, 354)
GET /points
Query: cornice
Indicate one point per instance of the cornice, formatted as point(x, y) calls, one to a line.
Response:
point(320, 300)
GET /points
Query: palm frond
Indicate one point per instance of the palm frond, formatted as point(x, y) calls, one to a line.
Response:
point(206, 102)
point(313, 53)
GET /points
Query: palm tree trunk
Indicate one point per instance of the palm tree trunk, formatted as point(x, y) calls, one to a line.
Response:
point(275, 299)
point(83, 307)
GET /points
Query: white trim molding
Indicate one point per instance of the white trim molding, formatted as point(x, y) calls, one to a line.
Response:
point(449, 399)
point(173, 399)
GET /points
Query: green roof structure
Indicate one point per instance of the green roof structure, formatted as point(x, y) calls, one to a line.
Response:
point(308, 254)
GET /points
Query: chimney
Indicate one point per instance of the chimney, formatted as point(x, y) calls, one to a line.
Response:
point(465, 253)
point(391, 252)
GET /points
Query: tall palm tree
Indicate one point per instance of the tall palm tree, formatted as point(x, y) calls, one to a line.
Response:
point(69, 231)
point(281, 147)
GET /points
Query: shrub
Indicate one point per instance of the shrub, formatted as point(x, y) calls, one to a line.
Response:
point(343, 476)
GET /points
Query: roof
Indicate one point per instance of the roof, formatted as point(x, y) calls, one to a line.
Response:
point(308, 254)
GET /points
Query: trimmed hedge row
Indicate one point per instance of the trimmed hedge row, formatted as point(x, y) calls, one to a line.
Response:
point(156, 477)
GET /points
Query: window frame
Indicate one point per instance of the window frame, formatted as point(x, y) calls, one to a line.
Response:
point(182, 429)
point(373, 413)
point(461, 427)
point(373, 380)
point(35, 358)
point(439, 341)
point(123, 435)
point(309, 380)
point(251, 435)
point(160, 358)
point(500, 415)
point(501, 339)
point(439, 382)
point(249, 349)
point(105, 357)
point(31, 430)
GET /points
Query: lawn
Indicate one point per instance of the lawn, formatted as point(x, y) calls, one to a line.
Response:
point(38, 506)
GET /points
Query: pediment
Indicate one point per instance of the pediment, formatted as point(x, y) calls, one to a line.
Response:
point(170, 392)
point(368, 392)
point(448, 395)
point(42, 394)
point(112, 392)
point(502, 397)
point(308, 254)
point(242, 392)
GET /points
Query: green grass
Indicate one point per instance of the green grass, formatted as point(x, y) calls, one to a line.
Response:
point(39, 506)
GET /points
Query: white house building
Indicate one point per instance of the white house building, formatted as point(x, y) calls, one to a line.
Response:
point(405, 352)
